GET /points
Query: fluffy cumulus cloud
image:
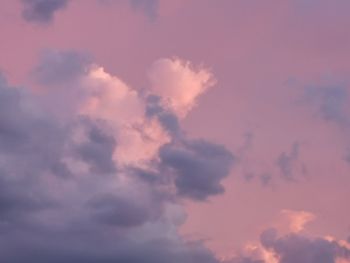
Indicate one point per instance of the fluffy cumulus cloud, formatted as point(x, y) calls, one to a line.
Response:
point(41, 11)
point(93, 171)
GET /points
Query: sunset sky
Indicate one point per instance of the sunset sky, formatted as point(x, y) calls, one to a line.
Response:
point(174, 131)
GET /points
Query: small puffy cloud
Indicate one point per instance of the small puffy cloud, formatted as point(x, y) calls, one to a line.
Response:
point(297, 219)
point(41, 11)
point(179, 83)
point(107, 96)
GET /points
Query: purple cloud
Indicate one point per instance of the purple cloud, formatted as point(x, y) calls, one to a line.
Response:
point(41, 11)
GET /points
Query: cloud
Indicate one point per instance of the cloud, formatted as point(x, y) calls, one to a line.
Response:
point(167, 119)
point(92, 171)
point(296, 248)
point(199, 167)
point(179, 84)
point(119, 211)
point(150, 7)
point(329, 102)
point(15, 203)
point(279, 244)
point(41, 11)
point(57, 67)
point(98, 150)
point(158, 251)
point(288, 163)
point(297, 219)
point(245, 260)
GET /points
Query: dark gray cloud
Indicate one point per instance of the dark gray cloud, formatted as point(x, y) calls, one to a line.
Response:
point(41, 11)
point(296, 248)
point(199, 167)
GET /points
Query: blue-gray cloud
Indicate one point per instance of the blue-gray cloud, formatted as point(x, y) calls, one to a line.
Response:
point(41, 11)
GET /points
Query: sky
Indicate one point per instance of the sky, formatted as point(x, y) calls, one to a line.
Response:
point(167, 131)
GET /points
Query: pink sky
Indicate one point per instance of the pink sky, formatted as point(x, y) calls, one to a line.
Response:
point(278, 101)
